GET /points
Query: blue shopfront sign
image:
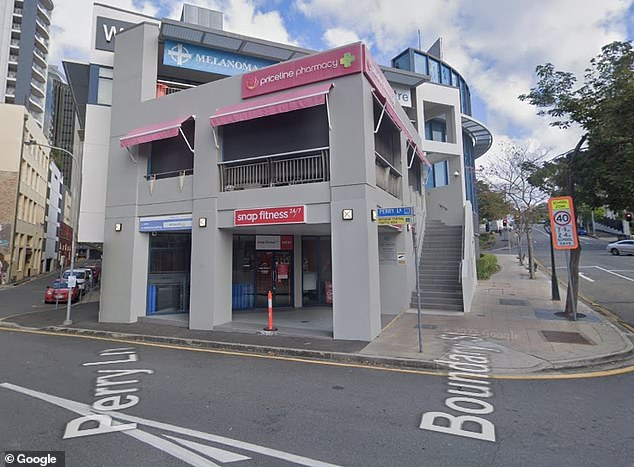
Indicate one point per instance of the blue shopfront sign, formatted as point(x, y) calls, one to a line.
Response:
point(165, 223)
point(195, 57)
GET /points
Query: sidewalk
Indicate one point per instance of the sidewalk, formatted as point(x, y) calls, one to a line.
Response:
point(511, 315)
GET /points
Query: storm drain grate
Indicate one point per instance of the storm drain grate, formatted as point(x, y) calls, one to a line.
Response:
point(513, 301)
point(566, 337)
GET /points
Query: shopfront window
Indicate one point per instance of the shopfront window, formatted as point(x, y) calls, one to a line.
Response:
point(262, 263)
point(169, 272)
point(316, 271)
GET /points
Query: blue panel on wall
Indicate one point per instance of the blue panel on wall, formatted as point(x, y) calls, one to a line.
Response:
point(195, 57)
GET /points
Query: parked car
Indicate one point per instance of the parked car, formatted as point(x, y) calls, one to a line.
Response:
point(57, 292)
point(581, 231)
point(96, 271)
point(622, 247)
point(81, 276)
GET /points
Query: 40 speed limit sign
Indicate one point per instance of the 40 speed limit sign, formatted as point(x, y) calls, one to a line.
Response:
point(562, 223)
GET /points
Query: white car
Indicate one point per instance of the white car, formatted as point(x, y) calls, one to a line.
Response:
point(622, 247)
point(81, 276)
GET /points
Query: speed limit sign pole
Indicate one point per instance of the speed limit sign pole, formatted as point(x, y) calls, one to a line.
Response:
point(563, 228)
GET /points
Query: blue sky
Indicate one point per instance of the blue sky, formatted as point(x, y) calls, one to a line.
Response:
point(495, 44)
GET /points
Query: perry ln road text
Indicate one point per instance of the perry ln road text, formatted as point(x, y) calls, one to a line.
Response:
point(468, 362)
point(117, 398)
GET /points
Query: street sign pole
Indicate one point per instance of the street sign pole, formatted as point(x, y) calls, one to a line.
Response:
point(564, 236)
point(418, 314)
point(398, 216)
point(574, 302)
point(554, 284)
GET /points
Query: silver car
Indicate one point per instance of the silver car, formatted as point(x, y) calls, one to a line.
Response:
point(622, 247)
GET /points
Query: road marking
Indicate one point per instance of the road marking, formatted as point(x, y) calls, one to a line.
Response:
point(163, 444)
point(582, 275)
point(615, 274)
point(468, 363)
point(233, 353)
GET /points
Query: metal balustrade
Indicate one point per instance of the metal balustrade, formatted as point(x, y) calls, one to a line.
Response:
point(276, 170)
point(388, 178)
point(164, 88)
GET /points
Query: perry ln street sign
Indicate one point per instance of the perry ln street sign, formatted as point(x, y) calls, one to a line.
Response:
point(562, 223)
point(395, 216)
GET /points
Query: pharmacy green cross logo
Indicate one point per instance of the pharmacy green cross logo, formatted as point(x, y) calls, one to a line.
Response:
point(347, 59)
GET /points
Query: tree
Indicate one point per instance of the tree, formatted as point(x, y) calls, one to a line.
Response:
point(509, 175)
point(491, 204)
point(603, 106)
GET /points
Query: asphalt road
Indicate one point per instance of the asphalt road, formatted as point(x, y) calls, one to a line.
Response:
point(605, 279)
point(27, 297)
point(206, 408)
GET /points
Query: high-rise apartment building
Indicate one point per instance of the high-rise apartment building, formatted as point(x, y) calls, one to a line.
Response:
point(59, 121)
point(24, 45)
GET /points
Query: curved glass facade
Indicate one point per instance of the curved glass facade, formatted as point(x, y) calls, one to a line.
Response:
point(442, 73)
point(439, 72)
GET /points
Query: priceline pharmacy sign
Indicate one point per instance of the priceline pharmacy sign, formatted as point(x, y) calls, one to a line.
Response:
point(319, 67)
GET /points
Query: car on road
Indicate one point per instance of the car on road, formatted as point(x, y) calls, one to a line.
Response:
point(81, 275)
point(581, 231)
point(57, 292)
point(622, 247)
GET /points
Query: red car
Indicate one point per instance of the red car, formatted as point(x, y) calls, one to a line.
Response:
point(57, 292)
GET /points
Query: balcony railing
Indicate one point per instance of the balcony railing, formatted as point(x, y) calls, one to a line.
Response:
point(164, 88)
point(387, 177)
point(295, 168)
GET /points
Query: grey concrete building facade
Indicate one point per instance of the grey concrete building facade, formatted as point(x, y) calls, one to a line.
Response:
point(369, 161)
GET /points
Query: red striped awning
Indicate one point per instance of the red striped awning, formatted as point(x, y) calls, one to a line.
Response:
point(154, 132)
point(297, 99)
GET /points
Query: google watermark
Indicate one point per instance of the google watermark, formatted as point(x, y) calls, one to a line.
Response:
point(35, 458)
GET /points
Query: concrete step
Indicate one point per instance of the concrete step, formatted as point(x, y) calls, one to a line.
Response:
point(439, 307)
point(439, 297)
point(427, 300)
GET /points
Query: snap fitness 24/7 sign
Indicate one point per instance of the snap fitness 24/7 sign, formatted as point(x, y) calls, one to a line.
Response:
point(270, 216)
point(319, 67)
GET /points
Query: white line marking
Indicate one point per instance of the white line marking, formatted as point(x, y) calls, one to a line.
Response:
point(218, 454)
point(585, 277)
point(173, 449)
point(615, 274)
point(85, 409)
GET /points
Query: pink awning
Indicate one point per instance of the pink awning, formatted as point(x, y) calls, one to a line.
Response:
point(391, 111)
point(154, 132)
point(297, 99)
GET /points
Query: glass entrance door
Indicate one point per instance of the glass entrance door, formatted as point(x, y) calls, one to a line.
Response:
point(274, 270)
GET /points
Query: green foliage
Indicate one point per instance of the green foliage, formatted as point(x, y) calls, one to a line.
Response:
point(487, 265)
point(603, 105)
point(487, 240)
point(492, 205)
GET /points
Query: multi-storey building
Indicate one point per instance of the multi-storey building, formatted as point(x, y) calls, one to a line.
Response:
point(280, 188)
point(53, 218)
point(23, 187)
point(59, 122)
point(24, 45)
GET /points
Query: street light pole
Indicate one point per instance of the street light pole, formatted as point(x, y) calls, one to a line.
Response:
point(75, 218)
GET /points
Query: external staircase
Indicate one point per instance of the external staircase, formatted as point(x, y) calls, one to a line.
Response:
point(439, 268)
